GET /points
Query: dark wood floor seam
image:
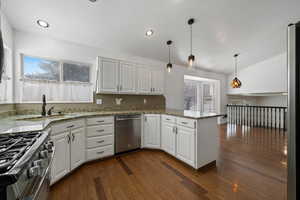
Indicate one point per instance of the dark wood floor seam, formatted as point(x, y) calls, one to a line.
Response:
point(187, 182)
point(124, 166)
point(99, 189)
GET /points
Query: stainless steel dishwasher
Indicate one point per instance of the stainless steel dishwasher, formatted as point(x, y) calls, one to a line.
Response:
point(127, 133)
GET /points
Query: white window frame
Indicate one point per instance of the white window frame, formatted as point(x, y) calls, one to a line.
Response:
point(5, 76)
point(199, 98)
point(60, 61)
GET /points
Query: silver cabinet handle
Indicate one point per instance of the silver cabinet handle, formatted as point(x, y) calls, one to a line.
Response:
point(73, 137)
point(100, 152)
point(68, 139)
point(121, 87)
point(153, 89)
point(100, 130)
point(101, 121)
point(100, 141)
point(70, 126)
point(184, 122)
point(168, 119)
point(145, 118)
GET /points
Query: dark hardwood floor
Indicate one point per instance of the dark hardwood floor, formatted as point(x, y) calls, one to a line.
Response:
point(251, 165)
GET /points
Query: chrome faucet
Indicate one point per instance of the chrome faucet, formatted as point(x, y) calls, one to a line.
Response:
point(50, 111)
point(44, 106)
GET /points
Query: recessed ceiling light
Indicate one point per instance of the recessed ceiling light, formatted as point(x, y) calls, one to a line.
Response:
point(149, 33)
point(93, 1)
point(43, 23)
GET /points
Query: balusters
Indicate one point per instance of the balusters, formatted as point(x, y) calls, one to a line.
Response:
point(257, 116)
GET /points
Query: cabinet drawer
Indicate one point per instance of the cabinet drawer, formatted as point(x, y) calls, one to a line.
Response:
point(168, 118)
point(100, 120)
point(100, 130)
point(100, 152)
point(99, 141)
point(186, 122)
point(66, 126)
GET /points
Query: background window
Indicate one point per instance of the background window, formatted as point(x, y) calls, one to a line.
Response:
point(76, 72)
point(200, 94)
point(40, 69)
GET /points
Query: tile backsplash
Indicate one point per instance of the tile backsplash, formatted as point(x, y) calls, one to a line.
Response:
point(7, 109)
point(109, 102)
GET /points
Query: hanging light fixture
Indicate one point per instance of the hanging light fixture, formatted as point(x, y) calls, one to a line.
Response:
point(236, 83)
point(169, 65)
point(191, 58)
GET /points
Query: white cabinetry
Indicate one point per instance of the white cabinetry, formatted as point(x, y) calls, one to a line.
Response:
point(61, 160)
point(69, 142)
point(185, 144)
point(109, 75)
point(168, 137)
point(115, 76)
point(151, 132)
point(100, 137)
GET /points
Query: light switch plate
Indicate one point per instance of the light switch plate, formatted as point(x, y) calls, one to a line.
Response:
point(145, 101)
point(99, 101)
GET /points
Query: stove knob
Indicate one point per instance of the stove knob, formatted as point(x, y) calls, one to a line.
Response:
point(42, 163)
point(49, 146)
point(34, 171)
point(44, 154)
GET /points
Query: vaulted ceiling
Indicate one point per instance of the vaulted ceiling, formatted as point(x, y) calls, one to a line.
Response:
point(254, 28)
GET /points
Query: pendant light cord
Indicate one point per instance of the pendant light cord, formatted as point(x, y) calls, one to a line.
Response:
point(169, 54)
point(191, 39)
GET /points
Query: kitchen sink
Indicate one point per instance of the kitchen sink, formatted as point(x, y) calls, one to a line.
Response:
point(39, 118)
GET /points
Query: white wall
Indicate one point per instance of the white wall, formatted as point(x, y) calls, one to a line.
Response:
point(8, 40)
point(174, 86)
point(268, 76)
point(42, 46)
point(280, 100)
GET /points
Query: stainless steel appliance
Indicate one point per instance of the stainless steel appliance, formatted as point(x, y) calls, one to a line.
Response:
point(293, 109)
point(127, 133)
point(25, 160)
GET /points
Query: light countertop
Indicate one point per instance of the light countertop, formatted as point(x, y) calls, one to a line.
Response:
point(13, 124)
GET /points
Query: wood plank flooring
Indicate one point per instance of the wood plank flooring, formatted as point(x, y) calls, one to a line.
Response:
point(251, 165)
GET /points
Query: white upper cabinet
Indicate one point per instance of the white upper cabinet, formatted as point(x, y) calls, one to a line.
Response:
point(109, 76)
point(119, 77)
point(157, 81)
point(144, 80)
point(152, 131)
point(127, 82)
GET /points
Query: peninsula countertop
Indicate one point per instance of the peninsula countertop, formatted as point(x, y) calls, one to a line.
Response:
point(15, 124)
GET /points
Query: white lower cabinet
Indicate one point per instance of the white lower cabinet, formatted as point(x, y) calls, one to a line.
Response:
point(151, 132)
point(168, 138)
point(69, 143)
point(77, 148)
point(185, 144)
point(61, 161)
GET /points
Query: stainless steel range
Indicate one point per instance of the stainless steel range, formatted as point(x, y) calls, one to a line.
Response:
point(25, 160)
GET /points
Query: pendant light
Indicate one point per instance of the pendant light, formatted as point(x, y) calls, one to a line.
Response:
point(236, 83)
point(191, 58)
point(169, 65)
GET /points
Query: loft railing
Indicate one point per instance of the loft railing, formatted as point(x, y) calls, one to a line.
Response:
point(257, 116)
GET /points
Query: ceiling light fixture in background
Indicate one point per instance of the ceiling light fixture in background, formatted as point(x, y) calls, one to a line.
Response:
point(149, 33)
point(236, 83)
point(42, 23)
point(169, 65)
point(191, 58)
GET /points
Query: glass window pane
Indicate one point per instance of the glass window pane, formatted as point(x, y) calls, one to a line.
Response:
point(39, 68)
point(76, 72)
point(190, 95)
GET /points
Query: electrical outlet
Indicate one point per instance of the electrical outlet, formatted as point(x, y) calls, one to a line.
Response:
point(145, 101)
point(99, 101)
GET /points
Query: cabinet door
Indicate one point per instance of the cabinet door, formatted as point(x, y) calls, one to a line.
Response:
point(127, 78)
point(152, 131)
point(77, 148)
point(144, 80)
point(109, 75)
point(61, 161)
point(185, 145)
point(168, 138)
point(157, 81)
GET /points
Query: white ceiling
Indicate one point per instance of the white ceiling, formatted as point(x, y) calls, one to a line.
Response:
point(254, 28)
